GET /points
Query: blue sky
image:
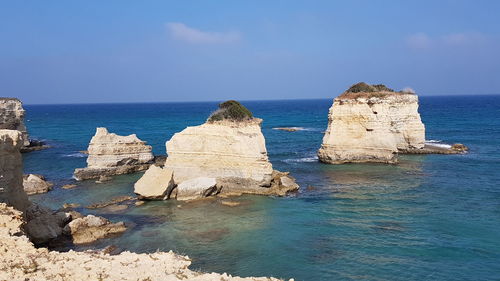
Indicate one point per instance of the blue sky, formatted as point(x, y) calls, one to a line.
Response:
point(154, 51)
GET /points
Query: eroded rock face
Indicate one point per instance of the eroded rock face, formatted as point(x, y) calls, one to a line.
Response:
point(156, 183)
point(35, 184)
point(196, 188)
point(11, 170)
point(12, 117)
point(372, 127)
point(20, 260)
point(91, 228)
point(223, 150)
point(111, 154)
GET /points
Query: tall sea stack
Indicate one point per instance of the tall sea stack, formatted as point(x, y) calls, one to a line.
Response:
point(371, 123)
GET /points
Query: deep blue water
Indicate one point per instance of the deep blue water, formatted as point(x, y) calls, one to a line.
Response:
point(431, 217)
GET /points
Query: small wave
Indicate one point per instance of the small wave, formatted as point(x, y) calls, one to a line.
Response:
point(293, 129)
point(433, 141)
point(302, 160)
point(78, 155)
point(442, 145)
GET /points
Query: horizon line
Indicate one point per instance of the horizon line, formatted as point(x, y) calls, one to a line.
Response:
point(241, 100)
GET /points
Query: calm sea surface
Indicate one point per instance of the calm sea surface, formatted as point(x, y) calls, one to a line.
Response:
point(432, 217)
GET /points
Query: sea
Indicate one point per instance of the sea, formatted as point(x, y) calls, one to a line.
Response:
point(430, 217)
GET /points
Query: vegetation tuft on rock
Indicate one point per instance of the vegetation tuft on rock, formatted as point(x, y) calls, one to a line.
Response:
point(231, 110)
point(364, 90)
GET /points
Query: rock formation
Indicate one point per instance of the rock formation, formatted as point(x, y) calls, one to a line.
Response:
point(156, 183)
point(195, 188)
point(41, 224)
point(91, 228)
point(35, 184)
point(371, 124)
point(11, 170)
point(12, 117)
point(110, 154)
point(230, 147)
point(20, 260)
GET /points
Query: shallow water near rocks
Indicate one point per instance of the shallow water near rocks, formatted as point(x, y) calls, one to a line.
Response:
point(431, 217)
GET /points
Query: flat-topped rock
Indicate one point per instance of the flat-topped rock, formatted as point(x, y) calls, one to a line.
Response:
point(229, 147)
point(111, 154)
point(371, 123)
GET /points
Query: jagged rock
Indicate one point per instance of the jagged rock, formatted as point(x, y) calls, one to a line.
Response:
point(12, 118)
point(20, 260)
point(372, 127)
point(110, 154)
point(35, 184)
point(459, 147)
point(156, 183)
point(91, 228)
point(11, 170)
point(103, 179)
point(196, 188)
point(43, 224)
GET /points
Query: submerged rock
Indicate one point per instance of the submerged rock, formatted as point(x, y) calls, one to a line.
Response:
point(156, 183)
point(68, 186)
point(112, 201)
point(35, 184)
point(91, 228)
point(195, 188)
point(111, 154)
point(371, 123)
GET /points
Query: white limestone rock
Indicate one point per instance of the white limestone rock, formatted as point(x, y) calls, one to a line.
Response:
point(111, 154)
point(372, 127)
point(35, 184)
point(196, 188)
point(91, 228)
point(223, 149)
point(12, 117)
point(156, 183)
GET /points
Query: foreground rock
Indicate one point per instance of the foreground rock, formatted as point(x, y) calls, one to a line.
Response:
point(111, 154)
point(229, 147)
point(371, 124)
point(91, 228)
point(20, 260)
point(35, 184)
point(156, 183)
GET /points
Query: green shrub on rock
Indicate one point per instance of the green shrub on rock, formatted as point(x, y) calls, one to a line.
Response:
point(231, 110)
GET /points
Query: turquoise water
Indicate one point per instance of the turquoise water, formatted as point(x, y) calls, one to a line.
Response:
point(432, 217)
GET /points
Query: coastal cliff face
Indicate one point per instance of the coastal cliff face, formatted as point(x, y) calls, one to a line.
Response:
point(12, 117)
point(11, 170)
point(111, 154)
point(372, 127)
point(221, 149)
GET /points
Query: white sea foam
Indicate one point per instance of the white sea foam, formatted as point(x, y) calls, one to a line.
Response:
point(78, 155)
point(302, 160)
point(296, 129)
point(433, 141)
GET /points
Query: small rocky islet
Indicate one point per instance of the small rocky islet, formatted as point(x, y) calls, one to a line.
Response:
point(225, 156)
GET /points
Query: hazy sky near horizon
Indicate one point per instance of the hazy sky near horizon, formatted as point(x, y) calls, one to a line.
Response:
point(146, 51)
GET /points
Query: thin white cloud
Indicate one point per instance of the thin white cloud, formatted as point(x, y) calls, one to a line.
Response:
point(419, 41)
point(182, 32)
